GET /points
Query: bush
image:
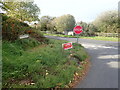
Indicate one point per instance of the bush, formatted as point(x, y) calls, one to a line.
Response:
point(11, 29)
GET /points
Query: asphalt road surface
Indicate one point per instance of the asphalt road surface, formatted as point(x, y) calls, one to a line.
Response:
point(103, 72)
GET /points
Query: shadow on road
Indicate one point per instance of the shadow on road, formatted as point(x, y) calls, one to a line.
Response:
point(104, 68)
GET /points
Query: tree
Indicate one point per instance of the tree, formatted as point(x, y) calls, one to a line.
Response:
point(65, 22)
point(24, 11)
point(88, 29)
point(107, 22)
point(45, 23)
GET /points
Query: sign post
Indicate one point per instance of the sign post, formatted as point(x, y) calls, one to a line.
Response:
point(66, 46)
point(77, 30)
point(77, 38)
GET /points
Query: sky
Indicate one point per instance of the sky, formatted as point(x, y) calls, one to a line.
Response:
point(82, 10)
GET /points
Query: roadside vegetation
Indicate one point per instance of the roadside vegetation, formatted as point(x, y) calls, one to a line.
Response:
point(36, 61)
point(93, 37)
point(103, 38)
point(40, 65)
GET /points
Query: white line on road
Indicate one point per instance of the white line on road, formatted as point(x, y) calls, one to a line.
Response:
point(97, 46)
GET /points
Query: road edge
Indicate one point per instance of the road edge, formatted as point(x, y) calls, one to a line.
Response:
point(83, 74)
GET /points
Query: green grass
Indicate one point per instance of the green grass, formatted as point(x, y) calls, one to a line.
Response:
point(59, 35)
point(95, 37)
point(45, 65)
point(102, 38)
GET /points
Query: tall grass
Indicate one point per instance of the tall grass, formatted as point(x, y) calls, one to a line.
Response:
point(46, 66)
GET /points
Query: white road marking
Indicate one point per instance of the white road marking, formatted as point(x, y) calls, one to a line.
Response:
point(97, 46)
point(113, 64)
point(108, 57)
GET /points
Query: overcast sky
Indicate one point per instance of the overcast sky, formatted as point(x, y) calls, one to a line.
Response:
point(82, 10)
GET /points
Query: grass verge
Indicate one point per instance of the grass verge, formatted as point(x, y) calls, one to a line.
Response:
point(102, 38)
point(94, 37)
point(29, 64)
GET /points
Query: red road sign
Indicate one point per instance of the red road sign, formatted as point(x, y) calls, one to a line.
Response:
point(67, 46)
point(77, 29)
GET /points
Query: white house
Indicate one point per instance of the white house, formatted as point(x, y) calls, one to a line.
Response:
point(68, 32)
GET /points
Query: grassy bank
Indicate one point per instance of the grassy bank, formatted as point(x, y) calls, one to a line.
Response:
point(29, 64)
point(95, 37)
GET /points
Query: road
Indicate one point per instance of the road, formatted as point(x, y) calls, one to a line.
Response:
point(103, 72)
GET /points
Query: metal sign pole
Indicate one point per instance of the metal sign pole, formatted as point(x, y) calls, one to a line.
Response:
point(77, 30)
point(77, 37)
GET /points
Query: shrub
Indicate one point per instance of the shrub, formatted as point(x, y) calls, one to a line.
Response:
point(11, 29)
